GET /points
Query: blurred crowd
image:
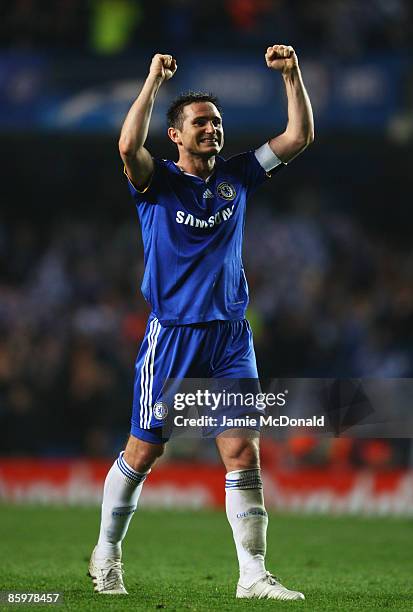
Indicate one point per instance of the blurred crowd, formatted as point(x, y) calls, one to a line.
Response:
point(330, 296)
point(345, 28)
point(328, 299)
point(69, 332)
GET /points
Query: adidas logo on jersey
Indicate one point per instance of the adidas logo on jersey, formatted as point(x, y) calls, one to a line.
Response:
point(208, 194)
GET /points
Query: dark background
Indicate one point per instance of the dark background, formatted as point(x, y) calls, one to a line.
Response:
point(327, 251)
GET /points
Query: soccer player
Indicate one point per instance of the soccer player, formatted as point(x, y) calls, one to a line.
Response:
point(192, 215)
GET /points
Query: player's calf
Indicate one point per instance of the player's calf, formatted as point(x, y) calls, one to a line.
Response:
point(141, 455)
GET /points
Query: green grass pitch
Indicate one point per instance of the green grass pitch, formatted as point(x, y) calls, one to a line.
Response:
point(186, 560)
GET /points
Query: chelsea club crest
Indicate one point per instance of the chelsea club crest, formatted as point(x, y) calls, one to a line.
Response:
point(226, 191)
point(160, 411)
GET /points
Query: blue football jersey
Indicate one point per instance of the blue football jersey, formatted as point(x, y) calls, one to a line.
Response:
point(192, 233)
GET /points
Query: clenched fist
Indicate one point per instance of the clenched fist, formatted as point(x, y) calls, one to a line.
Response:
point(163, 66)
point(281, 57)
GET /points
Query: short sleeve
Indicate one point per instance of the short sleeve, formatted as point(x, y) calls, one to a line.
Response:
point(151, 193)
point(249, 171)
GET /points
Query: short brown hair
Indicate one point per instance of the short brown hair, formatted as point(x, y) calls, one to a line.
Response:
point(176, 110)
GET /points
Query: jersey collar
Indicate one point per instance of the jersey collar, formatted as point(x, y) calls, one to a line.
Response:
point(179, 170)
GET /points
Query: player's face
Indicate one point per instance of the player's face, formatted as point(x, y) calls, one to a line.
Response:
point(202, 132)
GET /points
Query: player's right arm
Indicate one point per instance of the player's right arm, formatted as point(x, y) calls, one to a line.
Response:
point(138, 161)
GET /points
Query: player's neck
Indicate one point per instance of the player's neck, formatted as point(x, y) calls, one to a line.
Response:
point(197, 166)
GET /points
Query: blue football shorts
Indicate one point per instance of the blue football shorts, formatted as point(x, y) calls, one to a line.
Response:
point(214, 350)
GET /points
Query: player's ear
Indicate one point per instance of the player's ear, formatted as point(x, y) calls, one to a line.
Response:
point(174, 135)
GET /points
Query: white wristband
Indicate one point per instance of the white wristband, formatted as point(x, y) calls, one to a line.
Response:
point(267, 158)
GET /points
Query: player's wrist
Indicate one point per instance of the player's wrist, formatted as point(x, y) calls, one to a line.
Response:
point(155, 79)
point(291, 73)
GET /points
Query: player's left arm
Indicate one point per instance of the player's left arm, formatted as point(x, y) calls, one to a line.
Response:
point(299, 132)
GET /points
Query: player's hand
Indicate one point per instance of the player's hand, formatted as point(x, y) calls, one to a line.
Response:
point(281, 57)
point(163, 66)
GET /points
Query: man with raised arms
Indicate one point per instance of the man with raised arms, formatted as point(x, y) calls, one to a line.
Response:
point(192, 216)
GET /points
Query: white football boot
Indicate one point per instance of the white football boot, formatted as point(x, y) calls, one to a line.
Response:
point(268, 587)
point(107, 575)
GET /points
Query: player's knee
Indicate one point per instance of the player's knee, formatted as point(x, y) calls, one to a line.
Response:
point(141, 455)
point(239, 453)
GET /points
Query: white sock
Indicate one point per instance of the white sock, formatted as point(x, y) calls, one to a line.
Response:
point(248, 519)
point(121, 492)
